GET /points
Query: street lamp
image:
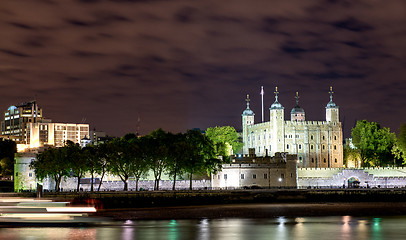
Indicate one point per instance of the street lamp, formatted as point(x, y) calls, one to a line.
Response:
point(280, 182)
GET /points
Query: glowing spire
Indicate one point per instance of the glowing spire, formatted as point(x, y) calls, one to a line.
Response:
point(276, 94)
point(297, 98)
point(331, 93)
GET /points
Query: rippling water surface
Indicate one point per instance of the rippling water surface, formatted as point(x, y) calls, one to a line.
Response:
point(281, 228)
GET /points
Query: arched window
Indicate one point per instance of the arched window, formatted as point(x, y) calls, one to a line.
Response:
point(287, 146)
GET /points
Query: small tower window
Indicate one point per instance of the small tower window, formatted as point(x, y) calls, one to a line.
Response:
point(265, 176)
point(312, 160)
point(324, 160)
point(300, 146)
point(323, 147)
point(335, 160)
point(311, 137)
point(225, 176)
point(242, 176)
point(254, 176)
point(311, 147)
point(287, 146)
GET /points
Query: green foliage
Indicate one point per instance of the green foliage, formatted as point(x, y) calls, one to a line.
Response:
point(7, 150)
point(375, 143)
point(223, 138)
point(119, 161)
point(351, 157)
point(401, 142)
point(54, 163)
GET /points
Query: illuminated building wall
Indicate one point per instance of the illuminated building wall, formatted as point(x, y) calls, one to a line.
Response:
point(264, 172)
point(316, 143)
point(17, 117)
point(55, 134)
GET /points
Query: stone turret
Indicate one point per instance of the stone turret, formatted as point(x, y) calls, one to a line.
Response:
point(277, 126)
point(332, 109)
point(247, 120)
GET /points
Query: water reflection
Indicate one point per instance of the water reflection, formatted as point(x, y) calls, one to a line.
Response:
point(345, 227)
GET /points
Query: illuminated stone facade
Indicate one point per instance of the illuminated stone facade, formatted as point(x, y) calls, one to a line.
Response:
point(318, 144)
point(251, 171)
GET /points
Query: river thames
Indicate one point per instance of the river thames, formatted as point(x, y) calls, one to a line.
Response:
point(326, 227)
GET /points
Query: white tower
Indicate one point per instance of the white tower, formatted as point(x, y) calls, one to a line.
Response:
point(277, 122)
point(247, 120)
point(332, 109)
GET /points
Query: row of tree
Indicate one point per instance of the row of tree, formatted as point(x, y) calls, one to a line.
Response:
point(7, 150)
point(179, 154)
point(376, 146)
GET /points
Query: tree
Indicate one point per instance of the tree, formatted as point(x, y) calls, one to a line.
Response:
point(224, 138)
point(102, 165)
point(52, 162)
point(156, 147)
point(375, 143)
point(120, 163)
point(177, 157)
point(200, 155)
point(7, 150)
point(401, 141)
point(77, 161)
point(137, 157)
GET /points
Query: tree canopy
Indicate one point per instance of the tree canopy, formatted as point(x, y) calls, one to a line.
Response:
point(224, 138)
point(7, 150)
point(374, 142)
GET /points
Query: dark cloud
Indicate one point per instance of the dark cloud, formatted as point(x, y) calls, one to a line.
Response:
point(180, 64)
point(353, 24)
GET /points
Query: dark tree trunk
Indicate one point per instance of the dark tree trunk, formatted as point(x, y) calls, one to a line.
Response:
point(78, 186)
point(190, 187)
point(101, 181)
point(91, 184)
point(174, 182)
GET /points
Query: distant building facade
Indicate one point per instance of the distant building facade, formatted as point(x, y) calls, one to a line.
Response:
point(250, 171)
point(26, 124)
point(318, 144)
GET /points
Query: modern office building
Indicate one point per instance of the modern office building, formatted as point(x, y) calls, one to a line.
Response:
point(25, 124)
point(17, 117)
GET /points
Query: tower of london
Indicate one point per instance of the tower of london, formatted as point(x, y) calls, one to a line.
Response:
point(317, 144)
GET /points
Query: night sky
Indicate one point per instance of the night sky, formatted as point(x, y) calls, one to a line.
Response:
point(189, 64)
